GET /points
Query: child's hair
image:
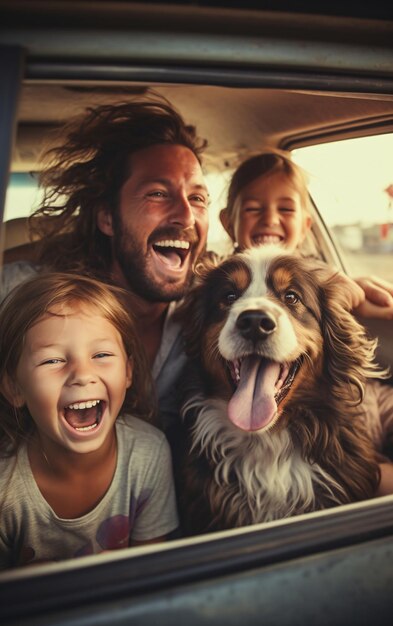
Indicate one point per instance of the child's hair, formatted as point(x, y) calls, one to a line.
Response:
point(261, 165)
point(28, 303)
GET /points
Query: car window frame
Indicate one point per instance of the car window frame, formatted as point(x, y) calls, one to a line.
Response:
point(117, 581)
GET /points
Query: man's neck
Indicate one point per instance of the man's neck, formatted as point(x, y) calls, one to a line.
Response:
point(149, 320)
point(149, 316)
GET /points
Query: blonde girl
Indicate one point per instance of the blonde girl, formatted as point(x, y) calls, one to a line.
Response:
point(81, 470)
point(268, 202)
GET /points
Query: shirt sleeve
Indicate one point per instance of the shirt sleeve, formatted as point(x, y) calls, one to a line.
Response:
point(13, 274)
point(157, 512)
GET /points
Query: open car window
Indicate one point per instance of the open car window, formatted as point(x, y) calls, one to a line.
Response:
point(351, 183)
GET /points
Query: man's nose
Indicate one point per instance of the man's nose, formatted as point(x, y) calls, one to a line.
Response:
point(182, 212)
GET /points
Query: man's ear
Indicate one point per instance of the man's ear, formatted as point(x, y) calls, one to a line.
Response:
point(224, 218)
point(104, 222)
point(11, 392)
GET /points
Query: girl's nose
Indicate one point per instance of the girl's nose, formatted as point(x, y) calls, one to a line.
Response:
point(269, 216)
point(81, 374)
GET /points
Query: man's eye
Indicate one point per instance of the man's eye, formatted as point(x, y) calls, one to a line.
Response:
point(199, 200)
point(157, 194)
point(291, 297)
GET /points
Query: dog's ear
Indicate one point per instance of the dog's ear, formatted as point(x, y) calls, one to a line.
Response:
point(349, 352)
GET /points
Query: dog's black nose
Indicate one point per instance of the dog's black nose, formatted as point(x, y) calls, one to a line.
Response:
point(255, 325)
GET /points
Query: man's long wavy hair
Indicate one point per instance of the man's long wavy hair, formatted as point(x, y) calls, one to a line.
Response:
point(85, 173)
point(35, 299)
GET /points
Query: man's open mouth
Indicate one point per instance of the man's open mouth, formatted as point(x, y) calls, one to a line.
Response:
point(84, 416)
point(259, 387)
point(172, 252)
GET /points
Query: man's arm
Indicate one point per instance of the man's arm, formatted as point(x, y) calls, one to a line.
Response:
point(378, 300)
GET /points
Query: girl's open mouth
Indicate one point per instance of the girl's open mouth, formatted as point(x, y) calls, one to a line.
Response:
point(84, 416)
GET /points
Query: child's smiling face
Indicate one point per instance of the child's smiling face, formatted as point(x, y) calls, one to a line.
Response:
point(73, 374)
point(270, 210)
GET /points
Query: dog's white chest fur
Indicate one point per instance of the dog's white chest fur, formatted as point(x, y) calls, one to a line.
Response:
point(256, 478)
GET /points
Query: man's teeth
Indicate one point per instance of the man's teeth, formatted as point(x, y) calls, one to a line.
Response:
point(173, 243)
point(83, 405)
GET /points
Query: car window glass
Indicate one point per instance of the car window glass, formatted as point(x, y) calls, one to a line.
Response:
point(351, 183)
point(22, 197)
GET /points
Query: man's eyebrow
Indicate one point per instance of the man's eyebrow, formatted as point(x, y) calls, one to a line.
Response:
point(203, 187)
point(168, 182)
point(152, 181)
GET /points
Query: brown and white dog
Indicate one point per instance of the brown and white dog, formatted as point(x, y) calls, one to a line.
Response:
point(275, 428)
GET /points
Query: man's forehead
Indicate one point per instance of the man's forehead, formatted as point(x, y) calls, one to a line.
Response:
point(165, 161)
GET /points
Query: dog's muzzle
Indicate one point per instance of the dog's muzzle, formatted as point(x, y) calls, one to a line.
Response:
point(255, 325)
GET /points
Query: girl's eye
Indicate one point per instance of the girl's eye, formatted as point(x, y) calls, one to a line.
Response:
point(251, 209)
point(52, 361)
point(287, 209)
point(102, 355)
point(291, 297)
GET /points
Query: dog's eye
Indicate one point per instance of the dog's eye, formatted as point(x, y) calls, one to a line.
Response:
point(230, 297)
point(291, 297)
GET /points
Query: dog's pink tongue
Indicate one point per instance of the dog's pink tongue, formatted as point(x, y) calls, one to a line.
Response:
point(253, 405)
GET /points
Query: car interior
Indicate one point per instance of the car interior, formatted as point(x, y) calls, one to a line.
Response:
point(250, 81)
point(237, 123)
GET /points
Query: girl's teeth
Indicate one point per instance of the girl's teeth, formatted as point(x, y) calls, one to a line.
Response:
point(83, 428)
point(84, 405)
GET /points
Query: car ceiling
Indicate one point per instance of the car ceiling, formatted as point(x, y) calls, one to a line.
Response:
point(236, 121)
point(248, 77)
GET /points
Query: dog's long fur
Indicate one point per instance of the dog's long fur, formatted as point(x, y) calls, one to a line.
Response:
point(314, 452)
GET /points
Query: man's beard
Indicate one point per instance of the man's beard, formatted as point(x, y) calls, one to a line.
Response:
point(129, 255)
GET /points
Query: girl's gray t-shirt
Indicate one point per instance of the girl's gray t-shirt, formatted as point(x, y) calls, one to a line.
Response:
point(139, 505)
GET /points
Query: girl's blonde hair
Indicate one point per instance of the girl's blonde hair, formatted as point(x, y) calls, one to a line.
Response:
point(260, 165)
point(35, 298)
